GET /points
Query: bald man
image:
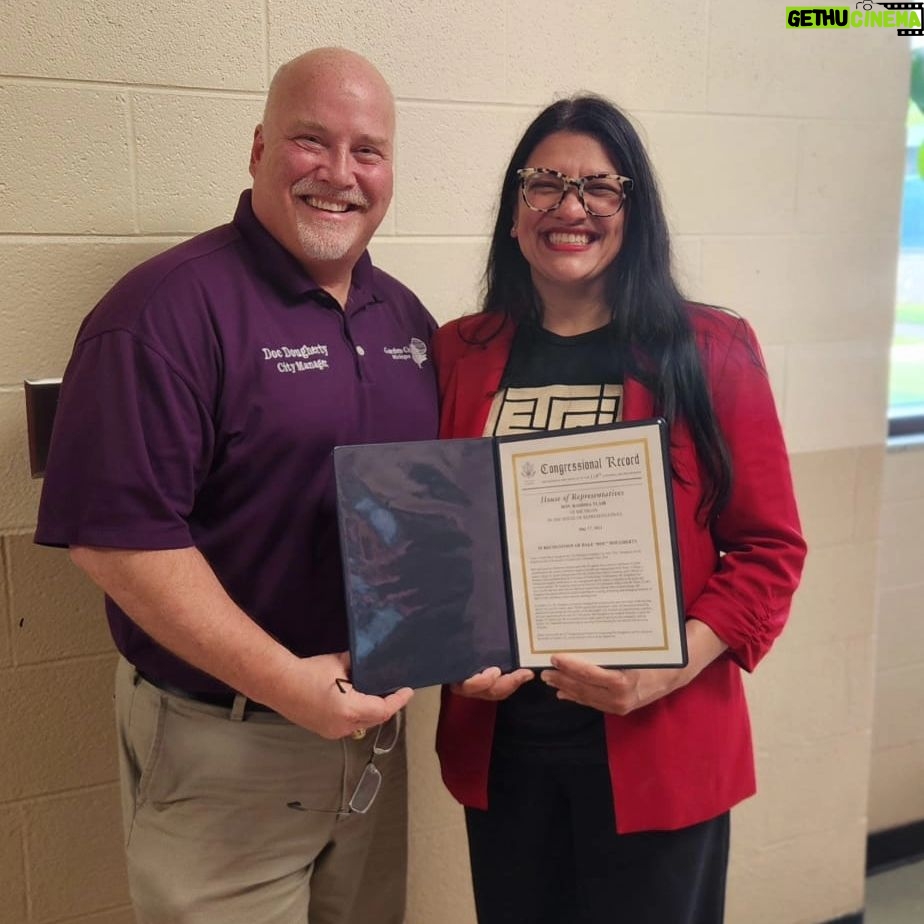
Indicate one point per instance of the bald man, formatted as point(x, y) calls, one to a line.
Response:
point(190, 476)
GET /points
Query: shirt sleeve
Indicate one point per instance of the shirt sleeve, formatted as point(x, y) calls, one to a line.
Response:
point(131, 443)
point(758, 534)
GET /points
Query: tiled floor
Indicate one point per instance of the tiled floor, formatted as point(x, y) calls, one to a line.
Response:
point(896, 896)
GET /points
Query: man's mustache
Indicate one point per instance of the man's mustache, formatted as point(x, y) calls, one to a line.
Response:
point(322, 191)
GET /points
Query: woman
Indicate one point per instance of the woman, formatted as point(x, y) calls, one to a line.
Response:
point(593, 794)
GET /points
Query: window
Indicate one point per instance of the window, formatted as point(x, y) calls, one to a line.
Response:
point(906, 381)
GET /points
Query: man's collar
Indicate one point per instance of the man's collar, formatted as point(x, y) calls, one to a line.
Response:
point(283, 271)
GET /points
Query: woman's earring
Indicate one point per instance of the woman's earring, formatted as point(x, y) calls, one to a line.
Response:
point(513, 230)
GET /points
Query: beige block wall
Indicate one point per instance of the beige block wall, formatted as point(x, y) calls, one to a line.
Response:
point(897, 778)
point(127, 127)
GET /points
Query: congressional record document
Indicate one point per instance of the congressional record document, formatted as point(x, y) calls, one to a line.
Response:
point(464, 554)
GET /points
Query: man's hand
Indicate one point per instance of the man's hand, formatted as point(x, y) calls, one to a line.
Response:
point(314, 700)
point(492, 684)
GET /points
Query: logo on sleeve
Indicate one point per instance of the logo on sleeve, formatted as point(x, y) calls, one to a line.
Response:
point(302, 358)
point(415, 350)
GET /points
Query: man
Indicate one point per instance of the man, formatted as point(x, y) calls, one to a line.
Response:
point(191, 477)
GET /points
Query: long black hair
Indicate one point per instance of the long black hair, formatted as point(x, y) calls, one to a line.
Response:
point(649, 316)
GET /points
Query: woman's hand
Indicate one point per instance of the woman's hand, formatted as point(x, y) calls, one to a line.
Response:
point(610, 689)
point(623, 691)
point(492, 684)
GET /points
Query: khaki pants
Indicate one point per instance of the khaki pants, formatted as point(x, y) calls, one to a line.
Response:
point(246, 821)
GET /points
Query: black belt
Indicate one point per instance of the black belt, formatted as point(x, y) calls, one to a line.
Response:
point(222, 700)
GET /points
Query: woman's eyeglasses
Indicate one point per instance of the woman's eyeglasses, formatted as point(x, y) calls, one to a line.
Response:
point(601, 194)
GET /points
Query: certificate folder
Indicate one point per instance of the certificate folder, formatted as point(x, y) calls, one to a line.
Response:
point(465, 554)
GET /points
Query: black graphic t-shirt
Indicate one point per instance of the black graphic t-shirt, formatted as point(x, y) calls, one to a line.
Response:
point(555, 383)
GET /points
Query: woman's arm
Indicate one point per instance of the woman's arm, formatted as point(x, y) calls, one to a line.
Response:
point(744, 604)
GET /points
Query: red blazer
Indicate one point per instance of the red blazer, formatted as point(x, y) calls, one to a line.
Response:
point(687, 757)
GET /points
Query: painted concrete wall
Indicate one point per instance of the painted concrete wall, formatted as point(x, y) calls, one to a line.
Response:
point(126, 128)
point(897, 777)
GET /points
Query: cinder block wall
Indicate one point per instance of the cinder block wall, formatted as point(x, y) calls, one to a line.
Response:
point(897, 778)
point(126, 128)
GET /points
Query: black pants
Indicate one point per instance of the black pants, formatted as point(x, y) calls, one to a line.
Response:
point(547, 852)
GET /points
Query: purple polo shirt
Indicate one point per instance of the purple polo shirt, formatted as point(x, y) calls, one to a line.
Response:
point(200, 407)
